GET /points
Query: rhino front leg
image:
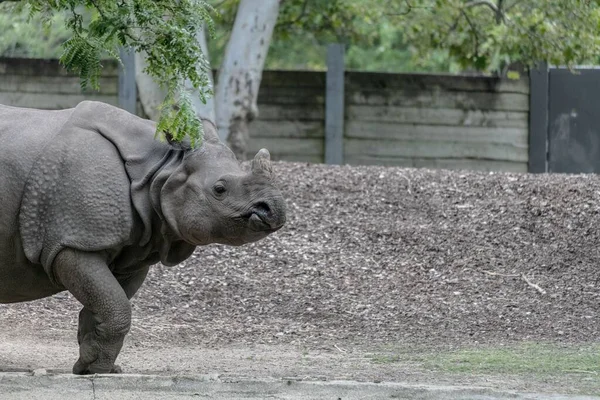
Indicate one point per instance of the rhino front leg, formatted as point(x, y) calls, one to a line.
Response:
point(87, 320)
point(89, 279)
point(87, 324)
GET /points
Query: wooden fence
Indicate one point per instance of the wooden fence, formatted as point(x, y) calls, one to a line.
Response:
point(45, 84)
point(417, 120)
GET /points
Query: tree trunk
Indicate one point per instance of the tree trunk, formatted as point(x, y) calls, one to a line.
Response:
point(241, 71)
point(151, 94)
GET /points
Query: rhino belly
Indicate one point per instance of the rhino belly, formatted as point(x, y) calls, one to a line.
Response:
point(21, 280)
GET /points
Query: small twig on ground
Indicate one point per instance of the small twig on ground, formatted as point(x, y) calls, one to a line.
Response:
point(533, 285)
point(408, 182)
point(499, 274)
point(341, 350)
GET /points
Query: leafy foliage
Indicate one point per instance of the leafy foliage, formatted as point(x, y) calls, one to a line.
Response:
point(432, 35)
point(306, 27)
point(23, 36)
point(489, 35)
point(482, 35)
point(164, 30)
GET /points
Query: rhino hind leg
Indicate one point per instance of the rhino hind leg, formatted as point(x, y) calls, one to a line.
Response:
point(108, 318)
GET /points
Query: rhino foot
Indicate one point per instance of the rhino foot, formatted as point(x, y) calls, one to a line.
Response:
point(96, 358)
point(79, 370)
point(116, 369)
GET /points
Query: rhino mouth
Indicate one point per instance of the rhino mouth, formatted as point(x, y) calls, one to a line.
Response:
point(262, 219)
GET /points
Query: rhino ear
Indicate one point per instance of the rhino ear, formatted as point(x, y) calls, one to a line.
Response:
point(185, 144)
point(261, 164)
point(210, 135)
point(210, 131)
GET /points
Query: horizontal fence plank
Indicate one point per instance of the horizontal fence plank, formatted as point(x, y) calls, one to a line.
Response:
point(55, 84)
point(274, 91)
point(441, 82)
point(289, 78)
point(36, 67)
point(441, 116)
point(452, 163)
point(279, 147)
point(290, 99)
point(435, 133)
point(51, 101)
point(430, 99)
point(287, 129)
point(273, 112)
point(438, 149)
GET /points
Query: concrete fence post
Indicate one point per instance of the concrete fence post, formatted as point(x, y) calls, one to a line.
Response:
point(334, 105)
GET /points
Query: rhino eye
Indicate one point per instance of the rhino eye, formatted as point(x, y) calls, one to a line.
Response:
point(219, 188)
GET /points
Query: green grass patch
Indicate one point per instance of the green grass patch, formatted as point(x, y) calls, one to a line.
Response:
point(385, 358)
point(527, 358)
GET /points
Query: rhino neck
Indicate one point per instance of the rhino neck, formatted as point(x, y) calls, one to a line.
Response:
point(171, 247)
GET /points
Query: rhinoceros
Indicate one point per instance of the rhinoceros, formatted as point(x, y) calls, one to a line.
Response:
point(91, 199)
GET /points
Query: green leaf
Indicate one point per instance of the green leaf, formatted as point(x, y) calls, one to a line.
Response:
point(514, 75)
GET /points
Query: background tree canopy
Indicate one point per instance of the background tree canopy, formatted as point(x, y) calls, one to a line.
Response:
point(394, 36)
point(300, 40)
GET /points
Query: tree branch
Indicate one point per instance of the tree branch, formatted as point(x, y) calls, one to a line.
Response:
point(499, 12)
point(473, 31)
point(476, 3)
point(488, 3)
point(409, 8)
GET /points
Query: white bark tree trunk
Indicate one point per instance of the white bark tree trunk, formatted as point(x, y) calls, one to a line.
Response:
point(151, 95)
point(241, 71)
point(204, 111)
point(233, 105)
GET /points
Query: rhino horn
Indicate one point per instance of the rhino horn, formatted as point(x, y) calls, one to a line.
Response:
point(261, 164)
point(210, 131)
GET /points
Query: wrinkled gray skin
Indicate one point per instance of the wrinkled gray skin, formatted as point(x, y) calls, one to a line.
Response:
point(90, 200)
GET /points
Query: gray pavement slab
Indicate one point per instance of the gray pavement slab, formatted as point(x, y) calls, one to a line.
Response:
point(48, 386)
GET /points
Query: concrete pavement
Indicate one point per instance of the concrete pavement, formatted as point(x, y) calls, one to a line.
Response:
point(41, 385)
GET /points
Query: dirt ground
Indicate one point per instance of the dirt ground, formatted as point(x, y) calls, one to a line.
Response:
point(371, 257)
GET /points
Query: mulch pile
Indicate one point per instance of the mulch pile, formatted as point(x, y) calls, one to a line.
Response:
point(386, 255)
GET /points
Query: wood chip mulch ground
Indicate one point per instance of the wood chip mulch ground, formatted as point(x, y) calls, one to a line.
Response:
point(386, 255)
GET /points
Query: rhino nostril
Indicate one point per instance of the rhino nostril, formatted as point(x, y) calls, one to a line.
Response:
point(262, 209)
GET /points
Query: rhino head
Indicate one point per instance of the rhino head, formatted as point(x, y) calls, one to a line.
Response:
point(210, 198)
